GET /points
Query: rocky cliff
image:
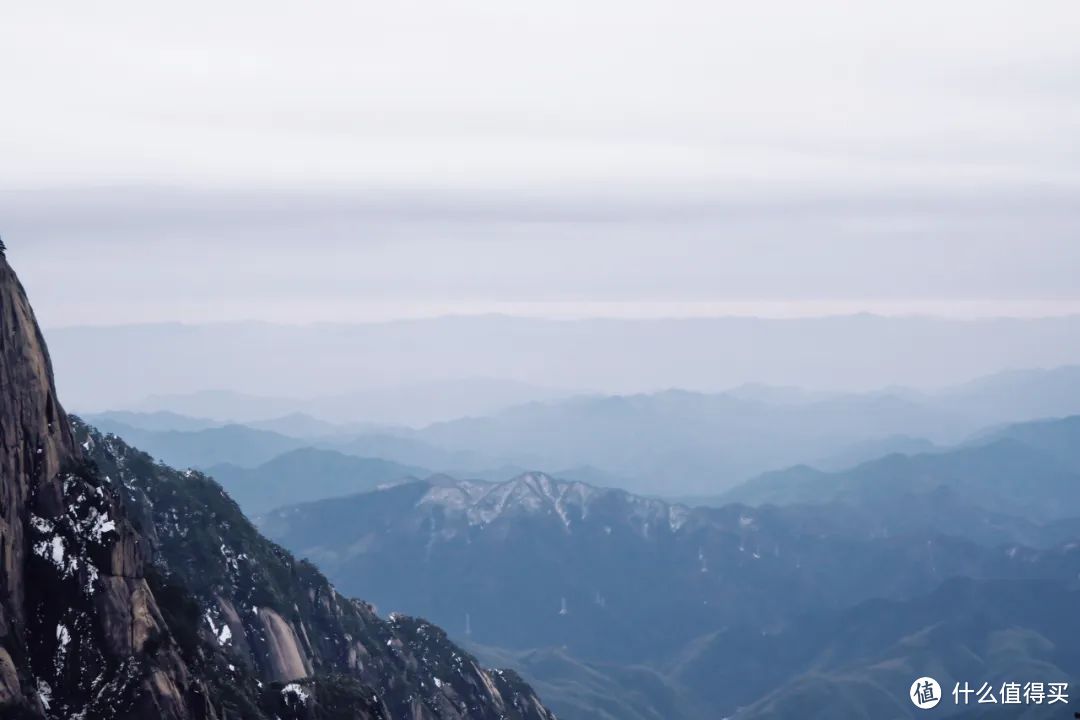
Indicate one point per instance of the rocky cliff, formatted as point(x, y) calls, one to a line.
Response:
point(129, 590)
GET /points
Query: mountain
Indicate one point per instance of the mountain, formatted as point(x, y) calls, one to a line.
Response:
point(297, 425)
point(159, 421)
point(618, 598)
point(302, 425)
point(859, 662)
point(243, 446)
point(1059, 439)
point(1000, 475)
point(1018, 394)
point(411, 404)
point(696, 443)
point(618, 560)
point(408, 450)
point(417, 404)
point(132, 591)
point(599, 691)
point(221, 405)
point(868, 450)
point(700, 442)
point(307, 474)
point(233, 444)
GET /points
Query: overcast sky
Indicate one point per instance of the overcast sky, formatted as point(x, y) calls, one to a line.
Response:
point(336, 160)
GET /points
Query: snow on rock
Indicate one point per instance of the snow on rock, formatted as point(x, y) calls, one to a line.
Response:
point(232, 560)
point(63, 639)
point(62, 635)
point(68, 540)
point(40, 524)
point(677, 516)
point(44, 691)
point(570, 503)
point(55, 550)
point(222, 633)
point(294, 694)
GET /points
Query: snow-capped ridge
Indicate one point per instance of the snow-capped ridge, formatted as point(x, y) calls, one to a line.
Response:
point(537, 494)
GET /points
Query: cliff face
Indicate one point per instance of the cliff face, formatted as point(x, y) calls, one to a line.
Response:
point(35, 441)
point(130, 590)
point(76, 613)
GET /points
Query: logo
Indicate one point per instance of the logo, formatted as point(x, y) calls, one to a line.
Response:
point(925, 693)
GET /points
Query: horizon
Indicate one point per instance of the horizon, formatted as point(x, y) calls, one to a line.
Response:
point(86, 284)
point(1065, 315)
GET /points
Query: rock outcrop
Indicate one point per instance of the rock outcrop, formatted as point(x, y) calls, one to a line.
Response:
point(129, 590)
point(35, 441)
point(77, 617)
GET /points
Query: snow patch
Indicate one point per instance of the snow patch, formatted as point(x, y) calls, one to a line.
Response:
point(677, 516)
point(44, 691)
point(293, 692)
point(223, 634)
point(62, 635)
point(52, 550)
point(40, 524)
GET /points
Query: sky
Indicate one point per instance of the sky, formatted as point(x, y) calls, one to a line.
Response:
point(337, 161)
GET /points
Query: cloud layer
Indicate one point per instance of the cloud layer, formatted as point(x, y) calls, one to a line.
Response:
point(341, 160)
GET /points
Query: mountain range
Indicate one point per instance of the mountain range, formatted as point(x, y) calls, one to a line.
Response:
point(1000, 473)
point(307, 474)
point(832, 593)
point(413, 404)
point(672, 443)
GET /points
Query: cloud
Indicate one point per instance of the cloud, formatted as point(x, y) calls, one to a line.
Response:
point(338, 158)
point(468, 94)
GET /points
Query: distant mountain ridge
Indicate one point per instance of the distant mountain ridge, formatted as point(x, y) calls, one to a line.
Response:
point(995, 471)
point(307, 474)
point(1015, 395)
point(237, 444)
point(414, 404)
point(696, 443)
